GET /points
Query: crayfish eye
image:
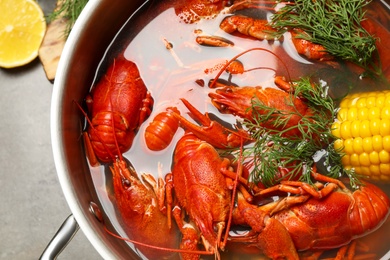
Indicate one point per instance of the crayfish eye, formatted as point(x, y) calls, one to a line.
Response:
point(126, 183)
point(228, 90)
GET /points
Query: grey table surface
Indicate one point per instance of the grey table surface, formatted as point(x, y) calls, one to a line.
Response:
point(32, 204)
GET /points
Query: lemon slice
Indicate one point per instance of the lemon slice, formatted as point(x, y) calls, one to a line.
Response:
point(22, 27)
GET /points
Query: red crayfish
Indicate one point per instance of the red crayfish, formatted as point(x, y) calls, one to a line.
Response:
point(200, 187)
point(257, 28)
point(239, 101)
point(142, 207)
point(118, 105)
point(211, 131)
point(316, 219)
point(194, 10)
point(142, 211)
point(262, 29)
point(159, 133)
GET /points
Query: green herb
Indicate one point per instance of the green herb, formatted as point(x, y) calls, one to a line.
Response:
point(70, 10)
point(335, 24)
point(274, 150)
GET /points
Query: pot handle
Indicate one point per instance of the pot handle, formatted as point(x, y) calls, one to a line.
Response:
point(61, 239)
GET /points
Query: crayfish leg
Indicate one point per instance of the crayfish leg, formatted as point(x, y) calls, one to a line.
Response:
point(93, 161)
point(191, 236)
point(169, 197)
point(283, 84)
point(158, 188)
point(147, 107)
point(275, 241)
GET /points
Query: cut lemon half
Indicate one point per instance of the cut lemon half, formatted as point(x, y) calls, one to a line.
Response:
point(22, 27)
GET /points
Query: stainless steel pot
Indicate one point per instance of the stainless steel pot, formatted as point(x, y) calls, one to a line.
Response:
point(84, 49)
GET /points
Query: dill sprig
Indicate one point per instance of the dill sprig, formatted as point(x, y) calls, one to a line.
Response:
point(70, 10)
point(335, 24)
point(275, 150)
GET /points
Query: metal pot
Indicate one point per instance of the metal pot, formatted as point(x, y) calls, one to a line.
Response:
point(89, 39)
point(91, 36)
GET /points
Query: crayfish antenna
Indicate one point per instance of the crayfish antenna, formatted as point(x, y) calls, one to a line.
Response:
point(182, 251)
point(212, 84)
point(93, 160)
point(252, 4)
point(234, 191)
point(156, 247)
point(114, 135)
point(115, 139)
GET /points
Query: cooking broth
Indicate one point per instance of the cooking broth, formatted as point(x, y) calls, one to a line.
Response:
point(171, 74)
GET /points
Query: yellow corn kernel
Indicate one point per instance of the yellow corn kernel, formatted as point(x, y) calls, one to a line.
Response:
point(374, 158)
point(338, 145)
point(364, 159)
point(346, 160)
point(355, 128)
point(386, 143)
point(342, 114)
point(362, 113)
point(357, 170)
point(335, 129)
point(367, 145)
point(346, 102)
point(358, 145)
point(345, 128)
point(387, 100)
point(384, 168)
point(371, 102)
point(385, 127)
point(364, 129)
point(384, 156)
point(363, 126)
point(364, 170)
point(347, 167)
point(361, 102)
point(348, 146)
point(377, 143)
point(375, 126)
point(385, 113)
point(380, 100)
point(374, 113)
point(352, 114)
point(374, 169)
point(354, 158)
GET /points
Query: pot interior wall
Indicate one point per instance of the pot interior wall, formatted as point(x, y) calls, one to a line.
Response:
point(90, 37)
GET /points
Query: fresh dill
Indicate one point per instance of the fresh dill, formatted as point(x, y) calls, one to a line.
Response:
point(276, 151)
point(70, 10)
point(335, 24)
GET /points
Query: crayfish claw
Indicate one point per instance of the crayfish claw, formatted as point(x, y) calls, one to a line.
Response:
point(212, 131)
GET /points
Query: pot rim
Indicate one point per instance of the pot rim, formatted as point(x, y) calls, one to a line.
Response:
point(55, 126)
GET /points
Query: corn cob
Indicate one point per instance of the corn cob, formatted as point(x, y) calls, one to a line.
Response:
point(363, 129)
